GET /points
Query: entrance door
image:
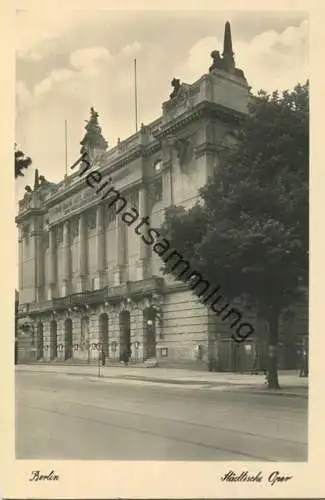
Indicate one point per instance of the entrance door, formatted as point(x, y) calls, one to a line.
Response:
point(149, 317)
point(103, 335)
point(68, 339)
point(125, 336)
point(39, 341)
point(53, 341)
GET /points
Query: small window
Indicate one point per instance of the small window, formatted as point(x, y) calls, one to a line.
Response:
point(164, 352)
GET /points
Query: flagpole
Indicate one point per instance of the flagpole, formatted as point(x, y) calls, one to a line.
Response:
point(135, 95)
point(66, 147)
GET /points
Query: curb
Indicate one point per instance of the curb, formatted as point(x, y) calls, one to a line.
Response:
point(199, 385)
point(274, 392)
point(194, 384)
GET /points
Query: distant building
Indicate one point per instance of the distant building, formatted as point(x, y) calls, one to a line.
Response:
point(86, 278)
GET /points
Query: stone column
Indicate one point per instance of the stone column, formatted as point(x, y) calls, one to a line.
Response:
point(37, 254)
point(20, 259)
point(66, 259)
point(52, 264)
point(143, 263)
point(120, 250)
point(82, 252)
point(100, 246)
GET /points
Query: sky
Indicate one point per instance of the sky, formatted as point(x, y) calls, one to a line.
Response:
point(68, 62)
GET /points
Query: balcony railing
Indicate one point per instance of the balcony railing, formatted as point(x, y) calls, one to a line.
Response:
point(129, 289)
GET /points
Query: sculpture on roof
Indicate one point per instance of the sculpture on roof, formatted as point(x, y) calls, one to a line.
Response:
point(176, 83)
point(93, 138)
point(217, 60)
point(226, 62)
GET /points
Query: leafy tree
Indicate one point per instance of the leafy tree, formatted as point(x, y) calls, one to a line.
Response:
point(249, 232)
point(22, 162)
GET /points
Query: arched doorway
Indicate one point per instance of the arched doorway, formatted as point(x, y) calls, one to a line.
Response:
point(103, 336)
point(53, 340)
point(84, 340)
point(39, 341)
point(149, 319)
point(68, 339)
point(125, 336)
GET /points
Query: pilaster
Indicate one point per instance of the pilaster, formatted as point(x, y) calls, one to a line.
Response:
point(82, 252)
point(66, 260)
point(142, 265)
point(52, 290)
point(20, 259)
point(38, 261)
point(100, 246)
point(120, 251)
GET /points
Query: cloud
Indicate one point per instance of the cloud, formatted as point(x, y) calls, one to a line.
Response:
point(37, 28)
point(23, 95)
point(131, 50)
point(102, 78)
point(49, 83)
point(83, 58)
point(198, 60)
point(93, 78)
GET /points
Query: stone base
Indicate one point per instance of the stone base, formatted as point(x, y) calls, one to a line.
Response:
point(142, 269)
point(82, 284)
point(66, 288)
point(51, 292)
point(99, 281)
point(119, 275)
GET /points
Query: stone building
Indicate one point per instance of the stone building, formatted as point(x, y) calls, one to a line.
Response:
point(88, 283)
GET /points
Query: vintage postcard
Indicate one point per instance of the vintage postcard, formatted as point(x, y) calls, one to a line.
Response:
point(161, 256)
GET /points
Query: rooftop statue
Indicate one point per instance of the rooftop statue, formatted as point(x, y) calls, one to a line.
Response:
point(93, 137)
point(176, 83)
point(226, 62)
point(217, 61)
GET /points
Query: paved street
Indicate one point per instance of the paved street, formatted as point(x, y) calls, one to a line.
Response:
point(65, 416)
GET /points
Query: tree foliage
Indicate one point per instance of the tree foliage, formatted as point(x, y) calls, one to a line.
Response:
point(250, 230)
point(22, 162)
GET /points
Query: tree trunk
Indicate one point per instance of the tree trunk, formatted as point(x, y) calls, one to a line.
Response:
point(272, 376)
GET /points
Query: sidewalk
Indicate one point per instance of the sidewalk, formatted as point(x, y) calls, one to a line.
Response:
point(291, 384)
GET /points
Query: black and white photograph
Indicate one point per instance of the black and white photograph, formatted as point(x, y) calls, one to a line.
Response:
point(162, 221)
point(162, 231)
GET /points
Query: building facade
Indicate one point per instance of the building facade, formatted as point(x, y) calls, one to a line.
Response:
point(89, 285)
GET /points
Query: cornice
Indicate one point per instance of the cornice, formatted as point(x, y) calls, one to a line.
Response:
point(29, 213)
point(93, 203)
point(206, 147)
point(203, 109)
point(126, 158)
